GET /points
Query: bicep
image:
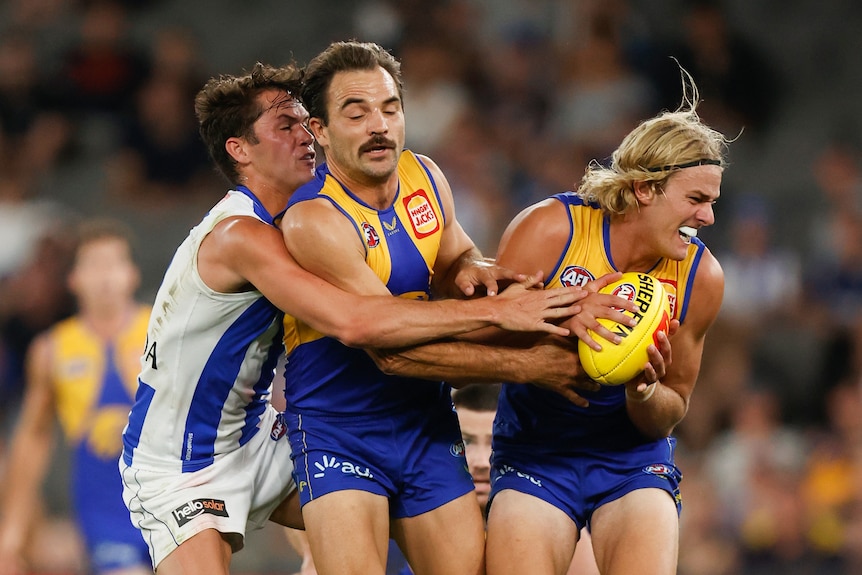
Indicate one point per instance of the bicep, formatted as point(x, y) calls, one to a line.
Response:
point(325, 243)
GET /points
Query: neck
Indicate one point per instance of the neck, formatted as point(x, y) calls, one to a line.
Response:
point(377, 192)
point(273, 198)
point(628, 250)
point(107, 322)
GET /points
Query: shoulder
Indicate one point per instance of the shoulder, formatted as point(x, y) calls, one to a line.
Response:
point(233, 231)
point(539, 232)
point(408, 157)
point(235, 240)
point(547, 217)
point(710, 275)
point(313, 215)
point(707, 292)
point(40, 353)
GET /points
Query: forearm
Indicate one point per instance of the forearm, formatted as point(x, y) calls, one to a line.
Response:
point(656, 411)
point(547, 362)
point(453, 362)
point(387, 322)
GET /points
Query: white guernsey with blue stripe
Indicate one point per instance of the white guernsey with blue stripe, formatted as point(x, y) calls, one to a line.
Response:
point(208, 364)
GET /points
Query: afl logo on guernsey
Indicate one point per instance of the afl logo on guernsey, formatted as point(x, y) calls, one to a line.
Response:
point(457, 449)
point(372, 240)
point(279, 427)
point(422, 216)
point(658, 469)
point(575, 276)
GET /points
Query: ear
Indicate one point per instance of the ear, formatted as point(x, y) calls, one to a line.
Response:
point(236, 149)
point(318, 130)
point(645, 192)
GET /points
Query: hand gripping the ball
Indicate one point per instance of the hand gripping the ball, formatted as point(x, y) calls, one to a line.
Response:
point(642, 387)
point(620, 363)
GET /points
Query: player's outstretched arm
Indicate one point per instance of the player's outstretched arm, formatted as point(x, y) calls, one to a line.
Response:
point(243, 252)
point(549, 362)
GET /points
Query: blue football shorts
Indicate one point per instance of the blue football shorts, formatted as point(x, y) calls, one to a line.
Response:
point(579, 482)
point(414, 457)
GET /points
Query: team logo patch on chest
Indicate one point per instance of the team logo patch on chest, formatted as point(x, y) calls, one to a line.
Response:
point(422, 216)
point(372, 240)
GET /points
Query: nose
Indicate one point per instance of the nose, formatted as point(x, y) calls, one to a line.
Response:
point(377, 123)
point(306, 136)
point(706, 215)
point(483, 457)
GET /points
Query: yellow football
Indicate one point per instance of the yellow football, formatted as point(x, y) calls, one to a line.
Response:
point(617, 364)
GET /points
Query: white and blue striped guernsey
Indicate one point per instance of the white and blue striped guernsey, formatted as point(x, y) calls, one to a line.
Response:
point(209, 361)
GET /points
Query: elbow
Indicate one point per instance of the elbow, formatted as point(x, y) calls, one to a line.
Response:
point(388, 363)
point(353, 333)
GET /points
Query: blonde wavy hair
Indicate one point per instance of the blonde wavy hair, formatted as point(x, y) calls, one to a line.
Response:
point(652, 152)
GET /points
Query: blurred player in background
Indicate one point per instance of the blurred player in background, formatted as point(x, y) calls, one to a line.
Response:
point(82, 373)
point(558, 468)
point(204, 458)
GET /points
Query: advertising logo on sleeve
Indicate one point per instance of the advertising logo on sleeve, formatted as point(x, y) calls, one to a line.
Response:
point(423, 219)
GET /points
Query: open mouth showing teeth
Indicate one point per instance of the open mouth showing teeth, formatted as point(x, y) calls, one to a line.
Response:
point(686, 233)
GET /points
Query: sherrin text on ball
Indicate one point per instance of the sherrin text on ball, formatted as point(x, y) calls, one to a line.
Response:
point(617, 364)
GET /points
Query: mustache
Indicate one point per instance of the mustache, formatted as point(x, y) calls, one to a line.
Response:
point(377, 142)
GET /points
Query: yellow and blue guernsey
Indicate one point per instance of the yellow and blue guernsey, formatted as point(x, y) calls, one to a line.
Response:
point(94, 383)
point(401, 242)
point(604, 424)
point(575, 458)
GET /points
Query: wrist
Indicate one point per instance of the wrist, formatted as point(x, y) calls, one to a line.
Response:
point(641, 397)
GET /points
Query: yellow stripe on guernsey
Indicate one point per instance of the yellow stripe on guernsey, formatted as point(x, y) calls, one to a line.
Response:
point(86, 410)
point(405, 236)
point(589, 256)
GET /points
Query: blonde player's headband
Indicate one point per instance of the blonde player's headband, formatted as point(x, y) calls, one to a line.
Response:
point(704, 162)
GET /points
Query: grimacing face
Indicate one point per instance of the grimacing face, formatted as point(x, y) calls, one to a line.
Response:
point(686, 205)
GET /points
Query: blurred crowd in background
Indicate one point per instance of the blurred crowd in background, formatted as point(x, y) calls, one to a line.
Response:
point(512, 98)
